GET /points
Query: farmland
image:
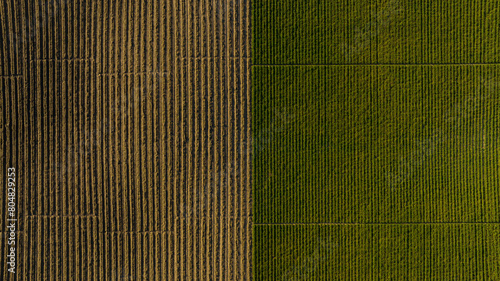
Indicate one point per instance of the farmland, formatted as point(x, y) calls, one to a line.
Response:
point(129, 125)
point(390, 147)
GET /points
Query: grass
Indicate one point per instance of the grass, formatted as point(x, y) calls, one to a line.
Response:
point(383, 31)
point(377, 144)
point(376, 127)
point(378, 252)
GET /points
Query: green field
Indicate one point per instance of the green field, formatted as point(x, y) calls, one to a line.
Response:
point(378, 252)
point(375, 31)
point(376, 140)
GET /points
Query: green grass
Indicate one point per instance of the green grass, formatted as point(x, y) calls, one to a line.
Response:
point(383, 31)
point(378, 252)
point(376, 125)
point(375, 144)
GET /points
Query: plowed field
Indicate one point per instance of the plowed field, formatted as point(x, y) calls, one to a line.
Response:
point(128, 123)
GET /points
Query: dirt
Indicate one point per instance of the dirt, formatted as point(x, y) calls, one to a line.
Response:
point(129, 124)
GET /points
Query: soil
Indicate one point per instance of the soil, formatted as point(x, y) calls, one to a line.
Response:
point(129, 125)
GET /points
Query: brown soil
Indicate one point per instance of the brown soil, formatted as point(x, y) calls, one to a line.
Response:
point(129, 125)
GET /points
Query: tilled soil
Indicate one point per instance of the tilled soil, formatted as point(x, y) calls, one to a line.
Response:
point(128, 123)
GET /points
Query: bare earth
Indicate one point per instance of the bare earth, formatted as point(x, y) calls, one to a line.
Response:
point(128, 123)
